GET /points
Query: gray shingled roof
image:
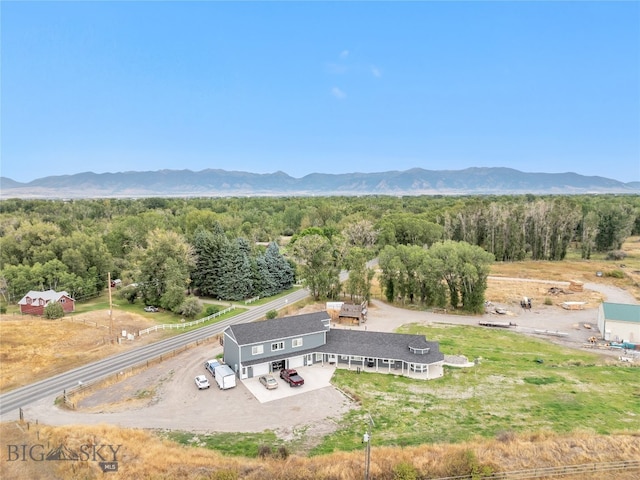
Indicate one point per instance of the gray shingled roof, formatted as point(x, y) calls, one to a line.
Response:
point(277, 328)
point(393, 346)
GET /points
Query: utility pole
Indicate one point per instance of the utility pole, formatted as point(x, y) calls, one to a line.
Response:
point(367, 452)
point(110, 307)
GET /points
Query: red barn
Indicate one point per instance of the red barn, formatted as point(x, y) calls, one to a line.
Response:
point(33, 303)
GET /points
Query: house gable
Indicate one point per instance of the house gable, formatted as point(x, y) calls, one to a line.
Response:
point(34, 302)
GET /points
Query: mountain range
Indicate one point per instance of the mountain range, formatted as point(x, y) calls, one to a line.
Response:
point(223, 183)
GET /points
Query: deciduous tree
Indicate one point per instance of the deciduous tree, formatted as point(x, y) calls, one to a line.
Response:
point(165, 267)
point(318, 268)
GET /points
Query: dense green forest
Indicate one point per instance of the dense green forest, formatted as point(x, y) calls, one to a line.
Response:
point(433, 249)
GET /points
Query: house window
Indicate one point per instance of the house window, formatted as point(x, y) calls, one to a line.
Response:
point(357, 359)
point(257, 350)
point(296, 342)
point(386, 361)
point(62, 300)
point(419, 351)
point(277, 346)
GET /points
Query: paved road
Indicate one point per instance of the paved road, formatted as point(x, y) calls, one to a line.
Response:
point(21, 397)
point(389, 319)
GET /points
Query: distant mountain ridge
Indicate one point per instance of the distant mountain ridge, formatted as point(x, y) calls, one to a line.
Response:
point(223, 183)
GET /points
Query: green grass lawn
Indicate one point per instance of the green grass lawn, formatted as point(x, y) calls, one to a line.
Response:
point(509, 391)
point(162, 317)
point(237, 444)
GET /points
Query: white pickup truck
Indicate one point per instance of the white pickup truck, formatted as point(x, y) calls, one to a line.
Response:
point(210, 366)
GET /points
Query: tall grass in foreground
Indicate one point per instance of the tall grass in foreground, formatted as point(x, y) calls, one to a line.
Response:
point(143, 455)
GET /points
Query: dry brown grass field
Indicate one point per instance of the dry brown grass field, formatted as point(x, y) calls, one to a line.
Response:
point(566, 271)
point(142, 455)
point(33, 348)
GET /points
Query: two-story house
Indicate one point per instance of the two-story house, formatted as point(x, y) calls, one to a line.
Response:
point(257, 348)
point(34, 302)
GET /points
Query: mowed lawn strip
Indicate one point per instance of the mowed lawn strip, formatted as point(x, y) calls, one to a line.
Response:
point(520, 385)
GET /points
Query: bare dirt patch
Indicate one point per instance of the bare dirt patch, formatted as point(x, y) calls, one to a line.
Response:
point(508, 293)
point(586, 271)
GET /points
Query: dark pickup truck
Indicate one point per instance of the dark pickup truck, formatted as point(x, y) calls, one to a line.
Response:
point(291, 376)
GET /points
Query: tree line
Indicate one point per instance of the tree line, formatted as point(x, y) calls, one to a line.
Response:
point(232, 248)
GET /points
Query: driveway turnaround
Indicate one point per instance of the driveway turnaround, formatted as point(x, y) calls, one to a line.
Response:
point(315, 378)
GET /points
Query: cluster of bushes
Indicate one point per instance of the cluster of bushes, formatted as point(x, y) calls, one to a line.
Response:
point(266, 451)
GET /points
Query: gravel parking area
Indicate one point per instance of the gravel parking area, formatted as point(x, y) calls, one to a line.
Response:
point(165, 396)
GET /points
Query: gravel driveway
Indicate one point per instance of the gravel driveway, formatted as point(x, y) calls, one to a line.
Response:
point(165, 397)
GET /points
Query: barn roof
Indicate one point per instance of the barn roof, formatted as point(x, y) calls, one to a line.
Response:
point(47, 296)
point(621, 312)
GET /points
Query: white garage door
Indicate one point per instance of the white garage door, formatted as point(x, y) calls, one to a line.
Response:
point(296, 362)
point(260, 369)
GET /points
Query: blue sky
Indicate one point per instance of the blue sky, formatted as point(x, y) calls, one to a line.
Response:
point(330, 87)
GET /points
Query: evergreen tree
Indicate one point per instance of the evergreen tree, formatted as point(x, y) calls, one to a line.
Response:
point(279, 268)
point(209, 248)
point(236, 274)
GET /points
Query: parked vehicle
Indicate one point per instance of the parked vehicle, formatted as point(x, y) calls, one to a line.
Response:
point(202, 382)
point(210, 366)
point(291, 376)
point(225, 377)
point(268, 381)
point(150, 308)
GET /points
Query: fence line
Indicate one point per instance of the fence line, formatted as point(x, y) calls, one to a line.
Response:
point(86, 322)
point(69, 396)
point(169, 326)
point(546, 472)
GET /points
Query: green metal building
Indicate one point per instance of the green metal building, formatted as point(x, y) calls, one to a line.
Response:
point(619, 322)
